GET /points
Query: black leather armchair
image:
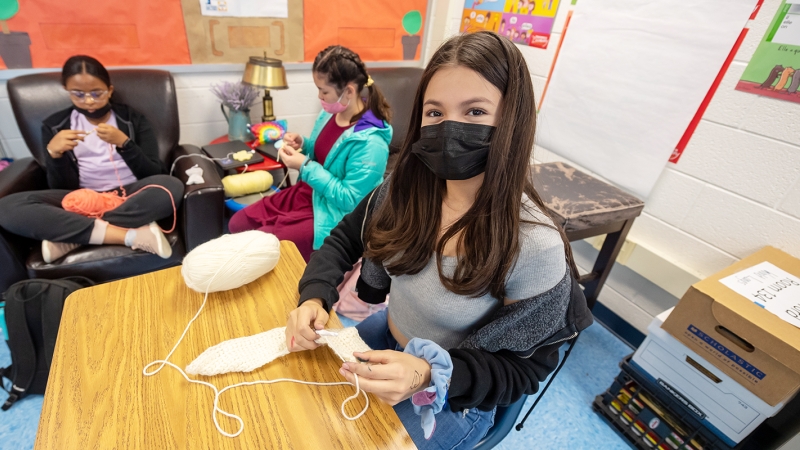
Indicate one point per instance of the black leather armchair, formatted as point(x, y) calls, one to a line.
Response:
point(151, 92)
point(399, 86)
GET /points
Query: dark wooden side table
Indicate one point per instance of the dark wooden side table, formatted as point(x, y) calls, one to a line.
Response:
point(588, 207)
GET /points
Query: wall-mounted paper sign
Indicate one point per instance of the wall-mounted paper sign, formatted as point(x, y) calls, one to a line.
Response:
point(245, 8)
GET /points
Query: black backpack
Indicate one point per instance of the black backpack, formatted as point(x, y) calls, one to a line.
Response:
point(33, 314)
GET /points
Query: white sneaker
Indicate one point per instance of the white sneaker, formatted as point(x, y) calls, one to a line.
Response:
point(52, 251)
point(150, 239)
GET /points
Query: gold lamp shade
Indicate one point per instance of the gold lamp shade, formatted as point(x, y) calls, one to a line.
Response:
point(267, 73)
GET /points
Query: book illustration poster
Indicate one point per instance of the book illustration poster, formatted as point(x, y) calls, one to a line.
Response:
point(527, 22)
point(774, 69)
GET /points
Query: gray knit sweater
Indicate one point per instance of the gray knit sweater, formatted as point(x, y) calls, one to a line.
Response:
point(508, 350)
point(422, 307)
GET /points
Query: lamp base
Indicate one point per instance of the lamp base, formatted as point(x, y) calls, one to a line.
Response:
point(269, 115)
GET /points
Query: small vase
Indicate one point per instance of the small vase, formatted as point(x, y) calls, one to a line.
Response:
point(238, 124)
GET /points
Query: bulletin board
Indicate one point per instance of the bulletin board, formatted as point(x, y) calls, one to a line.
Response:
point(44, 33)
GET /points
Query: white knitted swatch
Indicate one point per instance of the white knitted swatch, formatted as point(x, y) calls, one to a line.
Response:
point(246, 354)
point(345, 343)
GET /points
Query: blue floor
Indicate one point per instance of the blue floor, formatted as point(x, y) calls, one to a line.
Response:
point(563, 419)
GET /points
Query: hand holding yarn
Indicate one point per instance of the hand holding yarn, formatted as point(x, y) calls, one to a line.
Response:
point(390, 375)
point(290, 157)
point(293, 140)
point(64, 141)
point(302, 323)
point(110, 134)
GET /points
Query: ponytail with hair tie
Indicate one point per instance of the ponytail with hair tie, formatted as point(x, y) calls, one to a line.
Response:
point(341, 66)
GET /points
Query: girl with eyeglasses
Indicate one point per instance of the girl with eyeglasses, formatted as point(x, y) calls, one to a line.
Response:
point(100, 145)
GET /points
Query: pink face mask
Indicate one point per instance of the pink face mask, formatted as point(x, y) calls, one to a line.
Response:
point(334, 108)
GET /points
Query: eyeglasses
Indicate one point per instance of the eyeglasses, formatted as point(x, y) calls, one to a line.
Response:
point(83, 96)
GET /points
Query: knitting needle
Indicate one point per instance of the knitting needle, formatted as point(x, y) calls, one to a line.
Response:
point(326, 333)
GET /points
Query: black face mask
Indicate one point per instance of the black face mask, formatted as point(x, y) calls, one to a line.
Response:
point(97, 114)
point(454, 150)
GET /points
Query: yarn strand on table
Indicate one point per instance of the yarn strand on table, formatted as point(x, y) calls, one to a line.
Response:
point(229, 262)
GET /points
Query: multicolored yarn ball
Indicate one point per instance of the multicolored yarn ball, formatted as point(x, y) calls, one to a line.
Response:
point(266, 132)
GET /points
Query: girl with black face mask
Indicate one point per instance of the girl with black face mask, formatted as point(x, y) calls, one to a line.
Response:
point(100, 145)
point(482, 280)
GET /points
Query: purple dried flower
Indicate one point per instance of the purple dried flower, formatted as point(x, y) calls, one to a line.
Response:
point(236, 96)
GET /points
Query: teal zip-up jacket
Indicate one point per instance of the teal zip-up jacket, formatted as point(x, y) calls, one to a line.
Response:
point(353, 168)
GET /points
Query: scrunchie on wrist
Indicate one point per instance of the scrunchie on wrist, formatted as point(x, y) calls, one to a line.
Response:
point(430, 401)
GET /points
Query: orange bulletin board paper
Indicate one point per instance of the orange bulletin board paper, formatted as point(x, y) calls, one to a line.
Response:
point(115, 32)
point(372, 29)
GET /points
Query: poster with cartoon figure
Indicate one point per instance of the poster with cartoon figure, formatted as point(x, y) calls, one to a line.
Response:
point(527, 22)
point(526, 30)
point(774, 70)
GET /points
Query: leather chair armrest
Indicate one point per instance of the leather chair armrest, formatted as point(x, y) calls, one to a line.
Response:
point(13, 252)
point(202, 212)
point(22, 175)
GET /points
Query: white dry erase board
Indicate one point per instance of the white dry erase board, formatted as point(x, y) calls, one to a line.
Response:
point(629, 78)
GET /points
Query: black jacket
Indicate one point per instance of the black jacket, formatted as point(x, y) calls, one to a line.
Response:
point(141, 154)
point(498, 362)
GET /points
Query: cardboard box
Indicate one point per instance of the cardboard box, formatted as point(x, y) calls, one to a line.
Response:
point(742, 339)
point(718, 401)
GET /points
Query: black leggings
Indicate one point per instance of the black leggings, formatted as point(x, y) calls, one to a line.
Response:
point(39, 215)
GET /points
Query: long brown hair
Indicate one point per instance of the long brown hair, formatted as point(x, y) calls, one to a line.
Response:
point(405, 228)
point(341, 66)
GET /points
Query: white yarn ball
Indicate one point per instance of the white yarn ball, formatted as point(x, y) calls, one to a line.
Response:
point(230, 261)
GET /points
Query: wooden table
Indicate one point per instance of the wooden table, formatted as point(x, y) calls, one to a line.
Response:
point(97, 397)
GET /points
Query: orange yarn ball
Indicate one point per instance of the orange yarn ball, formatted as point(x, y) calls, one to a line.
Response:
point(91, 203)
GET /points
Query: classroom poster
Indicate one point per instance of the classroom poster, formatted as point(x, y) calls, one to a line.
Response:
point(527, 22)
point(774, 69)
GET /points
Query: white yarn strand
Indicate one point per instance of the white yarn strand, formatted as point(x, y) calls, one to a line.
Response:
point(264, 261)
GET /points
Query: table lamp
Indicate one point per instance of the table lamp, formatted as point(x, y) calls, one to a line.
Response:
point(267, 73)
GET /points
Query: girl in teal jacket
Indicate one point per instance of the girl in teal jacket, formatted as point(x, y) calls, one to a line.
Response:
point(341, 162)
